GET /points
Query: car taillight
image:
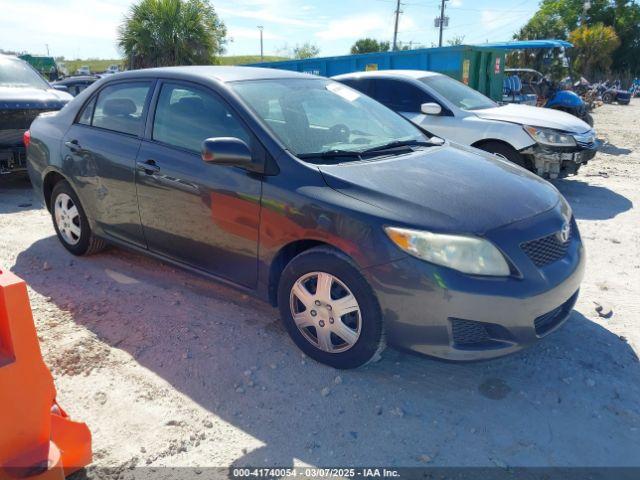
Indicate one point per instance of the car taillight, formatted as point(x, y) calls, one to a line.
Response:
point(26, 138)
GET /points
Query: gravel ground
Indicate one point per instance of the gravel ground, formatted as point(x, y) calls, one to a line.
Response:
point(170, 369)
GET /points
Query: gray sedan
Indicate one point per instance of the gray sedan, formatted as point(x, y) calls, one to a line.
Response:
point(360, 228)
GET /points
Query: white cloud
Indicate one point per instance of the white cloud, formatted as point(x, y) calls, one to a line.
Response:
point(354, 27)
point(267, 11)
point(236, 33)
point(69, 29)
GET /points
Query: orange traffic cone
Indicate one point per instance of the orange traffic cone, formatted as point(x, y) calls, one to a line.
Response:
point(37, 438)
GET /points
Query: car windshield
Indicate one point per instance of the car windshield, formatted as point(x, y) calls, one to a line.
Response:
point(16, 73)
point(458, 93)
point(320, 117)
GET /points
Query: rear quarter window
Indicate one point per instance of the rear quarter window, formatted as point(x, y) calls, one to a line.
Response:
point(87, 113)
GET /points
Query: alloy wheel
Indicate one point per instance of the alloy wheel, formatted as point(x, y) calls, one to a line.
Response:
point(325, 311)
point(67, 218)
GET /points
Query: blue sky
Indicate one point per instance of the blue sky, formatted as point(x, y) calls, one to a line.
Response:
point(87, 28)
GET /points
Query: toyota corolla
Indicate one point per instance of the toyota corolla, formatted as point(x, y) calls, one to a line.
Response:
point(360, 228)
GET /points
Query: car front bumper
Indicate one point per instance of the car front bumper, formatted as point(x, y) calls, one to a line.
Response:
point(443, 313)
point(550, 162)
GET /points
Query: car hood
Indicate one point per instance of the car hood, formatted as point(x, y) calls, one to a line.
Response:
point(534, 116)
point(23, 98)
point(452, 188)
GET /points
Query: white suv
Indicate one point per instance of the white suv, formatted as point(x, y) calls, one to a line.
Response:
point(548, 142)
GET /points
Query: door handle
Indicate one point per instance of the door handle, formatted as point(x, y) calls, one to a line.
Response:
point(73, 145)
point(149, 167)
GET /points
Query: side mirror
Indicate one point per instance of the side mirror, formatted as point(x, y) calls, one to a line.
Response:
point(226, 151)
point(62, 88)
point(431, 108)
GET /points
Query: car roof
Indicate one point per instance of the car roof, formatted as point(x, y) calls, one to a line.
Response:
point(77, 78)
point(415, 74)
point(220, 73)
point(10, 57)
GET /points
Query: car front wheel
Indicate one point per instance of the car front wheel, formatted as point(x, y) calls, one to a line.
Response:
point(505, 151)
point(329, 309)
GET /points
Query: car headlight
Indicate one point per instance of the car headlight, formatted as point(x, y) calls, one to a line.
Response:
point(466, 254)
point(553, 138)
point(565, 209)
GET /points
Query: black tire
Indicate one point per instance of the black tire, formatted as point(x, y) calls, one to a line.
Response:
point(607, 97)
point(588, 118)
point(505, 151)
point(87, 243)
point(370, 341)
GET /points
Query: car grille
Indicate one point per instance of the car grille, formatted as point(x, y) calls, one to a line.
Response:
point(466, 332)
point(20, 118)
point(546, 250)
point(547, 322)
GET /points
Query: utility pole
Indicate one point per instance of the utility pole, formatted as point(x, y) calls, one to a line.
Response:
point(395, 28)
point(47, 45)
point(441, 21)
point(261, 28)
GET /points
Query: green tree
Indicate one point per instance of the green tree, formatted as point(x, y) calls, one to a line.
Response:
point(369, 45)
point(171, 32)
point(558, 18)
point(306, 50)
point(593, 46)
point(457, 40)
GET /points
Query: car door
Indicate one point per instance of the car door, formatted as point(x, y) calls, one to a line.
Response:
point(198, 213)
point(99, 152)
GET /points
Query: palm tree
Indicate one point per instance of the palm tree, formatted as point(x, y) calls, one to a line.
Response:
point(171, 32)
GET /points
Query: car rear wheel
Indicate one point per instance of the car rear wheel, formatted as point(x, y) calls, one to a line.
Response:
point(329, 309)
point(504, 151)
point(70, 222)
point(607, 97)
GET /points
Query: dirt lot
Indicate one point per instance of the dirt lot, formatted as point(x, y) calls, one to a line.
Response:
point(170, 369)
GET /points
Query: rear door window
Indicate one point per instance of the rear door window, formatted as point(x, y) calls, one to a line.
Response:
point(360, 84)
point(399, 95)
point(186, 116)
point(120, 107)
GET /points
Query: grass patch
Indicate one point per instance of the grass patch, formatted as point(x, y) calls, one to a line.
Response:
point(98, 65)
point(246, 59)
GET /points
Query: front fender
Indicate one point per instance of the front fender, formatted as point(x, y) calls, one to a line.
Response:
point(510, 133)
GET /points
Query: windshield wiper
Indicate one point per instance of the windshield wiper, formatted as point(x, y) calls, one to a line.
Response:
point(338, 153)
point(331, 154)
point(399, 144)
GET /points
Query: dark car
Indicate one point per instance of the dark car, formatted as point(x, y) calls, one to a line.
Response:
point(24, 94)
point(617, 95)
point(318, 199)
point(76, 84)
